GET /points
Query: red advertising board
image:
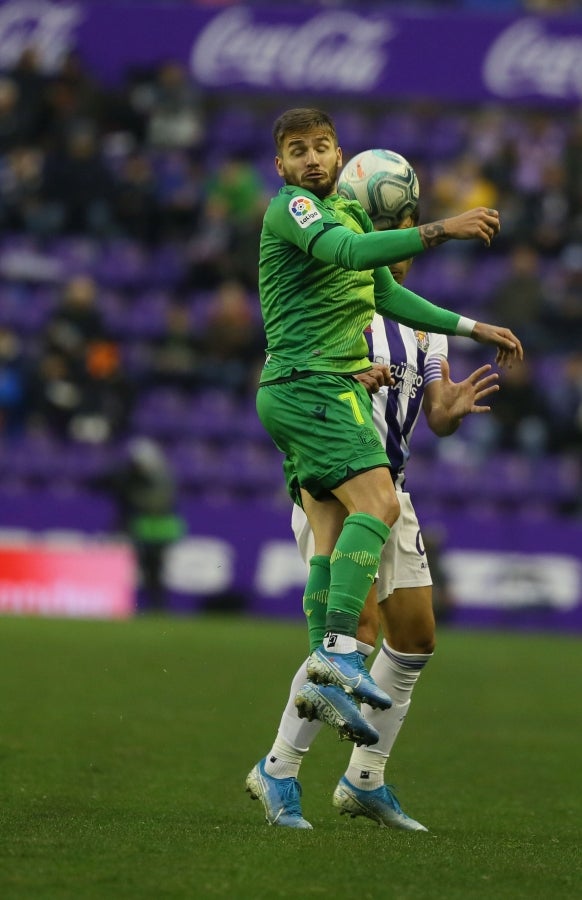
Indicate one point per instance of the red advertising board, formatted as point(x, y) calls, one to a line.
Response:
point(94, 582)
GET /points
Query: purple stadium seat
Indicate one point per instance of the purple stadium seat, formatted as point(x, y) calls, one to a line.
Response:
point(122, 264)
point(76, 255)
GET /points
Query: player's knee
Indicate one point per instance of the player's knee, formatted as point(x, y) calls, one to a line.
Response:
point(420, 641)
point(428, 645)
point(386, 508)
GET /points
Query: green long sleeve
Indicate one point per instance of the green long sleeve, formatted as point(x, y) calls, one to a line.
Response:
point(358, 252)
point(404, 306)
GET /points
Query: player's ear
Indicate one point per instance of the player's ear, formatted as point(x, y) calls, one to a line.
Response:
point(339, 156)
point(279, 165)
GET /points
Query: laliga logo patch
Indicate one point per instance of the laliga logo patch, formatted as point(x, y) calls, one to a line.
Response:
point(422, 340)
point(303, 211)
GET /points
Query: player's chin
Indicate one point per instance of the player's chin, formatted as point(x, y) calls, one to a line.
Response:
point(321, 187)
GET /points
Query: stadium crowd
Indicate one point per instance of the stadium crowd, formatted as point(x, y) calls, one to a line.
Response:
point(128, 286)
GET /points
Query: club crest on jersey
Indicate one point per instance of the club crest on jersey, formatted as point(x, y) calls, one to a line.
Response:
point(303, 211)
point(422, 339)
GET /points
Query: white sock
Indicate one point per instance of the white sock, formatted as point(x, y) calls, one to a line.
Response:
point(283, 760)
point(295, 735)
point(340, 643)
point(397, 674)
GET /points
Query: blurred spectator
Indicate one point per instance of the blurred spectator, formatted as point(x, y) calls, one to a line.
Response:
point(175, 110)
point(179, 193)
point(573, 164)
point(107, 396)
point(76, 321)
point(14, 395)
point(550, 219)
point(519, 300)
point(88, 394)
point(462, 185)
point(175, 356)
point(32, 87)
point(232, 343)
point(15, 126)
point(74, 100)
point(56, 395)
point(136, 204)
point(564, 316)
point(90, 403)
point(78, 184)
point(208, 254)
point(237, 189)
point(519, 421)
point(144, 491)
point(21, 204)
point(565, 393)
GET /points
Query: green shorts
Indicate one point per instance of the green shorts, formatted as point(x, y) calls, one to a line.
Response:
point(323, 424)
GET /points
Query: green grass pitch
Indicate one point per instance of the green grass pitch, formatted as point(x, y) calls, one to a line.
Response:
point(124, 747)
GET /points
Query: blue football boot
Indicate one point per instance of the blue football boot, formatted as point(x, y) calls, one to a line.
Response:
point(380, 805)
point(281, 797)
point(347, 670)
point(331, 704)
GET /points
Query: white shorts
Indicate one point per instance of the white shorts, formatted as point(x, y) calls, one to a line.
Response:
point(403, 563)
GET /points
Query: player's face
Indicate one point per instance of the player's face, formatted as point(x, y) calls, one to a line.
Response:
point(310, 160)
point(401, 269)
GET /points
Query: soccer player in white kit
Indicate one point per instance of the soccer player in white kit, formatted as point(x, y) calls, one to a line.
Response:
point(401, 598)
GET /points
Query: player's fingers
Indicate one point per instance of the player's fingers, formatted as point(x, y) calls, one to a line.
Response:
point(485, 392)
point(475, 376)
point(491, 380)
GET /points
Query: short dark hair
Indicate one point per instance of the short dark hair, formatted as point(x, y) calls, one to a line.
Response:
point(302, 119)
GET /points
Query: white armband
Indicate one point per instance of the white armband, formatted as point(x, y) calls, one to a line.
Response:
point(465, 326)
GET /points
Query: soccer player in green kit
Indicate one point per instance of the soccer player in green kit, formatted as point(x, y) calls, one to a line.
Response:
point(323, 272)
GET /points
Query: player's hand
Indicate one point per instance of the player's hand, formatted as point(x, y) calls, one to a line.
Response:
point(463, 397)
point(480, 224)
point(375, 378)
point(509, 348)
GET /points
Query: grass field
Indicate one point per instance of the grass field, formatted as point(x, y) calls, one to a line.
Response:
point(124, 747)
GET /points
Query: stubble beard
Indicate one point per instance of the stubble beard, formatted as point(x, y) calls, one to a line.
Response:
point(321, 189)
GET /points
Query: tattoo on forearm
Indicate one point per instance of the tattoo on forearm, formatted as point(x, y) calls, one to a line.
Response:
point(433, 234)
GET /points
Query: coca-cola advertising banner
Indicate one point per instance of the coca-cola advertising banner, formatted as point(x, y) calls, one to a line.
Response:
point(289, 49)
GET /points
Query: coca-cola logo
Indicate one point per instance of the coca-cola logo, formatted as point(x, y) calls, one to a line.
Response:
point(339, 50)
point(46, 26)
point(525, 59)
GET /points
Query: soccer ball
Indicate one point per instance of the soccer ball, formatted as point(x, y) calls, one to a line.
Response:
point(385, 184)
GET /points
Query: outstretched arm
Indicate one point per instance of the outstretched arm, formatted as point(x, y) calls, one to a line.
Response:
point(358, 252)
point(446, 403)
point(480, 224)
point(398, 303)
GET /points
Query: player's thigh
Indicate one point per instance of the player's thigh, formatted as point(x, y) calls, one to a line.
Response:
point(326, 519)
point(403, 562)
point(370, 492)
point(324, 425)
point(405, 585)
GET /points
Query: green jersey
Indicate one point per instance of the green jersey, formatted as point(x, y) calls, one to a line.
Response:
point(322, 275)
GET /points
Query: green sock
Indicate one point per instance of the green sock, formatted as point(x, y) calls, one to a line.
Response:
point(354, 563)
point(315, 599)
